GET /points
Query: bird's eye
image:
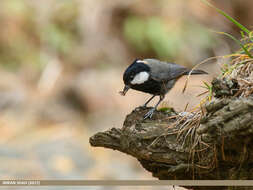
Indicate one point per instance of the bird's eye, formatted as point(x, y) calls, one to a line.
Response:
point(132, 77)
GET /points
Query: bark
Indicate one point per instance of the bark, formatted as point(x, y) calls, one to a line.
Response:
point(221, 147)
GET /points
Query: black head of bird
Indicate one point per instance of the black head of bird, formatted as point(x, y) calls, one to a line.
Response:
point(154, 77)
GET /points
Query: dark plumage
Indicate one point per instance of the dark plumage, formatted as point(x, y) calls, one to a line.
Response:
point(154, 77)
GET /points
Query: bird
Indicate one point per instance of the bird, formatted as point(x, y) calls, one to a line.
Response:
point(154, 77)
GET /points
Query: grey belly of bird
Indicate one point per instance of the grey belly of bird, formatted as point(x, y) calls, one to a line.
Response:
point(155, 87)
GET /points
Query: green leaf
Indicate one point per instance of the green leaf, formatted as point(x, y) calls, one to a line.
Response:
point(238, 42)
point(243, 28)
point(207, 85)
point(251, 36)
point(242, 34)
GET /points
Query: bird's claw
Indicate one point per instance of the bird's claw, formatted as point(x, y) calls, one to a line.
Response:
point(149, 114)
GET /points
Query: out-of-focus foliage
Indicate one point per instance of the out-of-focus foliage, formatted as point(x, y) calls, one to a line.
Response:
point(32, 33)
point(167, 40)
point(61, 34)
point(28, 37)
point(87, 33)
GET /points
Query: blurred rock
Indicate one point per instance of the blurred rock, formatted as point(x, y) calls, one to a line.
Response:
point(13, 92)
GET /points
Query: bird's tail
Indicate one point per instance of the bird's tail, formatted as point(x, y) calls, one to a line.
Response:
point(196, 72)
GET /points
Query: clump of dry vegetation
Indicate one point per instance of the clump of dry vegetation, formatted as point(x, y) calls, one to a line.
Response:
point(242, 72)
point(236, 81)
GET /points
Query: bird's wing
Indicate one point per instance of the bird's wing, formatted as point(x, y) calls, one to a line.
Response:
point(164, 71)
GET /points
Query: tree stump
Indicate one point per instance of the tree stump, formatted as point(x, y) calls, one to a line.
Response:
point(216, 143)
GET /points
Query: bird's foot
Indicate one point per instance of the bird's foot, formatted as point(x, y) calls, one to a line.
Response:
point(149, 114)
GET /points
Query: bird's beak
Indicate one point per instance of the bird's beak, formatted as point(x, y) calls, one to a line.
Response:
point(126, 88)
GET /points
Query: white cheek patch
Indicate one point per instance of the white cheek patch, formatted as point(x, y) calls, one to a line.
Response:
point(141, 61)
point(140, 78)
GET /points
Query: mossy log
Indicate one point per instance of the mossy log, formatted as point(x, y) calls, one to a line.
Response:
point(221, 147)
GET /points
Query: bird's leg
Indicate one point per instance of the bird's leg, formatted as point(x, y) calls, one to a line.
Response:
point(150, 112)
point(148, 101)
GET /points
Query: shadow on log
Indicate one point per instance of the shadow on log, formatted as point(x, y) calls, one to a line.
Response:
point(216, 145)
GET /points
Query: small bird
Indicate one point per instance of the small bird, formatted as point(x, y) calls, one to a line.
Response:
point(154, 77)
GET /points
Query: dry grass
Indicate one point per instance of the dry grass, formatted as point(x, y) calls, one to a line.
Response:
point(243, 72)
point(240, 68)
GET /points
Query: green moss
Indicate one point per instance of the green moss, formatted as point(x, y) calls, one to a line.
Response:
point(167, 110)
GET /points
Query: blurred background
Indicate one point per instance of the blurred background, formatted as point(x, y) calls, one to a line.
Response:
point(61, 66)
